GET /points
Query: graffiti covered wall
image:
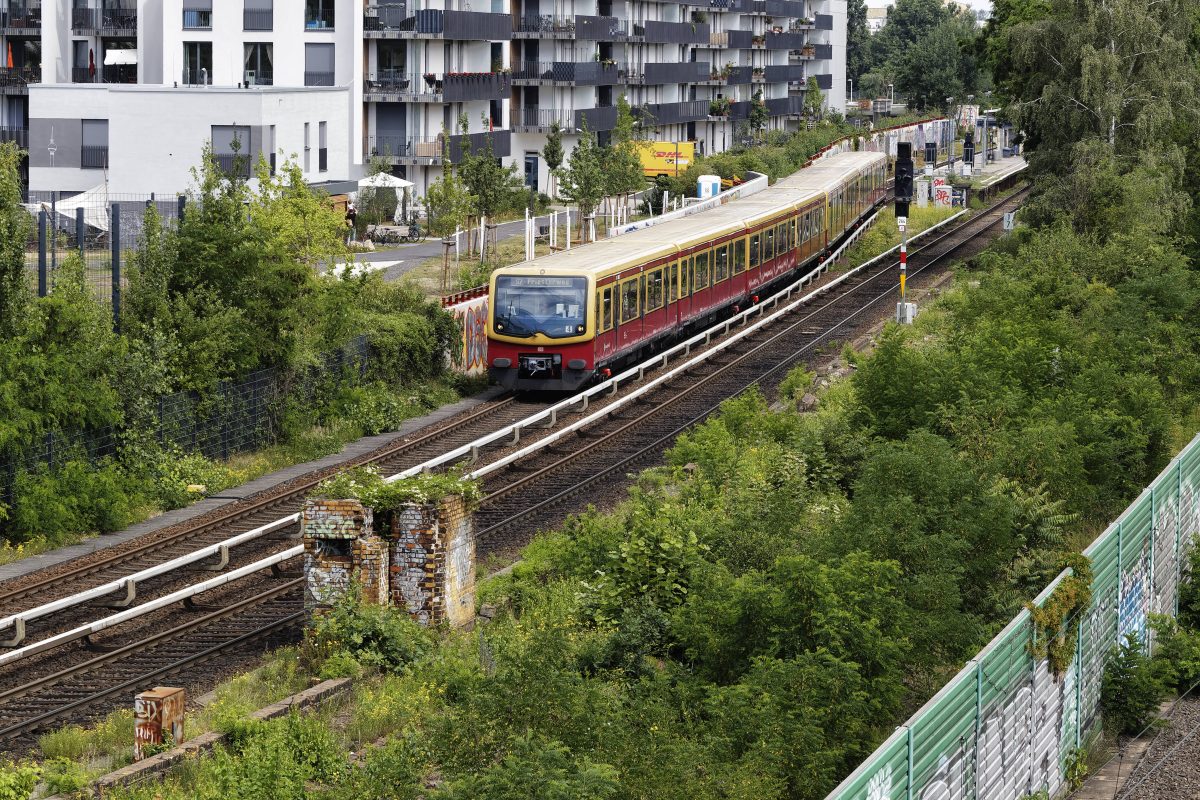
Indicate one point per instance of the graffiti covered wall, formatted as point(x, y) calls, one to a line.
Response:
point(1005, 726)
point(470, 309)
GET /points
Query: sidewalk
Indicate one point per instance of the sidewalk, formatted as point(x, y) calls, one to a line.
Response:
point(230, 497)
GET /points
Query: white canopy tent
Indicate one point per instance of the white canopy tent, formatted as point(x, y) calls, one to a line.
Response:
point(383, 180)
point(115, 57)
point(94, 203)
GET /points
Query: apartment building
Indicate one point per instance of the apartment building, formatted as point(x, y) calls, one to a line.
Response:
point(127, 92)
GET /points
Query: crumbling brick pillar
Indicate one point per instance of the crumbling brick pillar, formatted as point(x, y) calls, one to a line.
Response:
point(432, 562)
point(340, 546)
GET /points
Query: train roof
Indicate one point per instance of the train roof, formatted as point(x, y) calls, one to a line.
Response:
point(666, 238)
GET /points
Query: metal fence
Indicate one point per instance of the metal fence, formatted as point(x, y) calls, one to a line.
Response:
point(1004, 727)
point(234, 418)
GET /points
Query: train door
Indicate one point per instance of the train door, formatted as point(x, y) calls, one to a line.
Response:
point(673, 315)
point(755, 271)
point(739, 267)
point(654, 297)
point(629, 308)
point(685, 288)
point(701, 277)
point(720, 273)
point(605, 335)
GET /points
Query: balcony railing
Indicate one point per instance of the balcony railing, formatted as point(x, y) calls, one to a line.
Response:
point(18, 135)
point(451, 87)
point(82, 75)
point(586, 73)
point(119, 73)
point(318, 19)
point(475, 86)
point(197, 19)
point(393, 18)
point(259, 77)
point(258, 19)
point(24, 20)
point(20, 76)
point(318, 78)
point(93, 156)
point(784, 41)
point(736, 76)
point(673, 32)
point(782, 106)
point(532, 120)
point(235, 165)
point(685, 72)
point(119, 19)
point(83, 19)
point(785, 73)
point(672, 113)
point(399, 82)
point(196, 77)
point(592, 28)
point(431, 150)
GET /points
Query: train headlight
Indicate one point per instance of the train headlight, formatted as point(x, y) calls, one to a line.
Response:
point(499, 327)
point(579, 329)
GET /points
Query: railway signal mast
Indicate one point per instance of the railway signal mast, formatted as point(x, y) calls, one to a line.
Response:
point(904, 192)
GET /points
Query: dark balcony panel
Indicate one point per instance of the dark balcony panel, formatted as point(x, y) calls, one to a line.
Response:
point(475, 86)
point(18, 135)
point(318, 18)
point(824, 22)
point(318, 78)
point(477, 25)
point(235, 165)
point(598, 119)
point(824, 82)
point(672, 113)
point(603, 29)
point(83, 19)
point(258, 19)
point(784, 41)
point(197, 19)
point(782, 106)
point(93, 156)
point(119, 73)
point(739, 75)
point(418, 86)
point(740, 40)
point(82, 75)
point(677, 32)
point(545, 25)
point(778, 8)
point(742, 6)
point(587, 73)
point(824, 51)
point(739, 110)
point(476, 143)
point(785, 73)
point(685, 72)
point(384, 16)
point(119, 18)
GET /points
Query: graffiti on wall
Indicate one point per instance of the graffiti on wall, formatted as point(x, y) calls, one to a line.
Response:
point(472, 317)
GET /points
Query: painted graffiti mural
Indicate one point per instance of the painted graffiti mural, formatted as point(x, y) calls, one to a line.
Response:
point(472, 317)
point(1006, 726)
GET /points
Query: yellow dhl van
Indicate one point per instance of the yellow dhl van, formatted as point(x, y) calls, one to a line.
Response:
point(666, 158)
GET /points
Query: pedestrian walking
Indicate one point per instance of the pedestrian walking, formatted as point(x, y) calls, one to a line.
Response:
point(351, 217)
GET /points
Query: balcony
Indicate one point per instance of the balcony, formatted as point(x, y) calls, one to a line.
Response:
point(672, 32)
point(318, 78)
point(539, 120)
point(258, 19)
point(23, 21)
point(195, 77)
point(16, 80)
point(430, 151)
point(458, 86)
point(83, 21)
point(785, 73)
point(581, 27)
point(119, 21)
point(737, 76)
point(82, 75)
point(234, 165)
point(564, 73)
point(398, 86)
point(782, 106)
point(119, 73)
point(394, 21)
point(197, 19)
point(261, 77)
point(18, 135)
point(784, 41)
point(673, 113)
point(318, 19)
point(93, 156)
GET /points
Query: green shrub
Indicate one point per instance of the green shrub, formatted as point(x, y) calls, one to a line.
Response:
point(1177, 653)
point(74, 498)
point(171, 471)
point(1131, 689)
point(371, 635)
point(18, 779)
point(1189, 591)
point(65, 776)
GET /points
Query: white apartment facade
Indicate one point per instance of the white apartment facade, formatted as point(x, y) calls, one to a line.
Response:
point(127, 92)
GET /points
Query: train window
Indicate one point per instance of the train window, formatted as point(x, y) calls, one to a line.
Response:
point(755, 255)
point(673, 283)
point(768, 244)
point(720, 263)
point(701, 280)
point(781, 237)
point(629, 300)
point(792, 233)
point(685, 273)
point(604, 309)
point(654, 290)
point(739, 256)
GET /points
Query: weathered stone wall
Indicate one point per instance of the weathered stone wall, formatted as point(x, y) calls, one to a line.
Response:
point(340, 546)
point(432, 568)
point(459, 527)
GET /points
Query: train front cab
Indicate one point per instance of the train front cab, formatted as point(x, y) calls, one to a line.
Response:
point(540, 331)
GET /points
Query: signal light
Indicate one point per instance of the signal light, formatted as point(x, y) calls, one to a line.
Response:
point(755, 298)
point(904, 172)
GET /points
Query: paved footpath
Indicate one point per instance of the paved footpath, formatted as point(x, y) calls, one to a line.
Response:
point(238, 493)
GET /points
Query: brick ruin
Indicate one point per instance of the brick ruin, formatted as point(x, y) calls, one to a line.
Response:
point(422, 560)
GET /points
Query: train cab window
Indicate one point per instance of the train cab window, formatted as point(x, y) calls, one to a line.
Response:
point(755, 251)
point(673, 283)
point(768, 244)
point(685, 272)
point(654, 290)
point(720, 263)
point(739, 256)
point(630, 308)
point(701, 278)
point(604, 309)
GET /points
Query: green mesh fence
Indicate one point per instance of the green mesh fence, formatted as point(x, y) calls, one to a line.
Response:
point(1005, 725)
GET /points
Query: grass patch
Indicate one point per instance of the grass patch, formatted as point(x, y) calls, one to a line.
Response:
point(884, 234)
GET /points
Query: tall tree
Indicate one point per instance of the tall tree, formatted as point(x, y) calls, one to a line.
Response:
point(758, 114)
point(858, 40)
point(15, 226)
point(553, 154)
point(448, 203)
point(583, 179)
point(490, 183)
point(814, 99)
point(622, 162)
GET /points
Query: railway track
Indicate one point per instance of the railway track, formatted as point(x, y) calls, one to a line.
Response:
point(74, 683)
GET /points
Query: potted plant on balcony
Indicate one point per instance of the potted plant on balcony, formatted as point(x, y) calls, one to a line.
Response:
point(758, 74)
point(608, 62)
point(719, 107)
point(430, 79)
point(758, 40)
point(809, 50)
point(727, 70)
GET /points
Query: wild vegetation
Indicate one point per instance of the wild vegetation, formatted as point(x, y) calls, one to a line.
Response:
point(233, 290)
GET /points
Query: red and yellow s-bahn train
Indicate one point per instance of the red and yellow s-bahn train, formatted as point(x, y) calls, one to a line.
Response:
point(559, 320)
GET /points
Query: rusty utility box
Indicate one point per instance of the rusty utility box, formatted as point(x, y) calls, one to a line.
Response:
point(157, 716)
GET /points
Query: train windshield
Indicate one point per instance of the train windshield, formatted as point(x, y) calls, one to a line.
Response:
point(551, 305)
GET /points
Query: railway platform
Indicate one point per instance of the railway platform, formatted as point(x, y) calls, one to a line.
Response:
point(235, 494)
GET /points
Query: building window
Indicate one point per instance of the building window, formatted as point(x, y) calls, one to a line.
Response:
point(318, 14)
point(94, 151)
point(322, 147)
point(197, 63)
point(197, 14)
point(231, 149)
point(83, 62)
point(318, 65)
point(259, 64)
point(258, 15)
point(307, 149)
